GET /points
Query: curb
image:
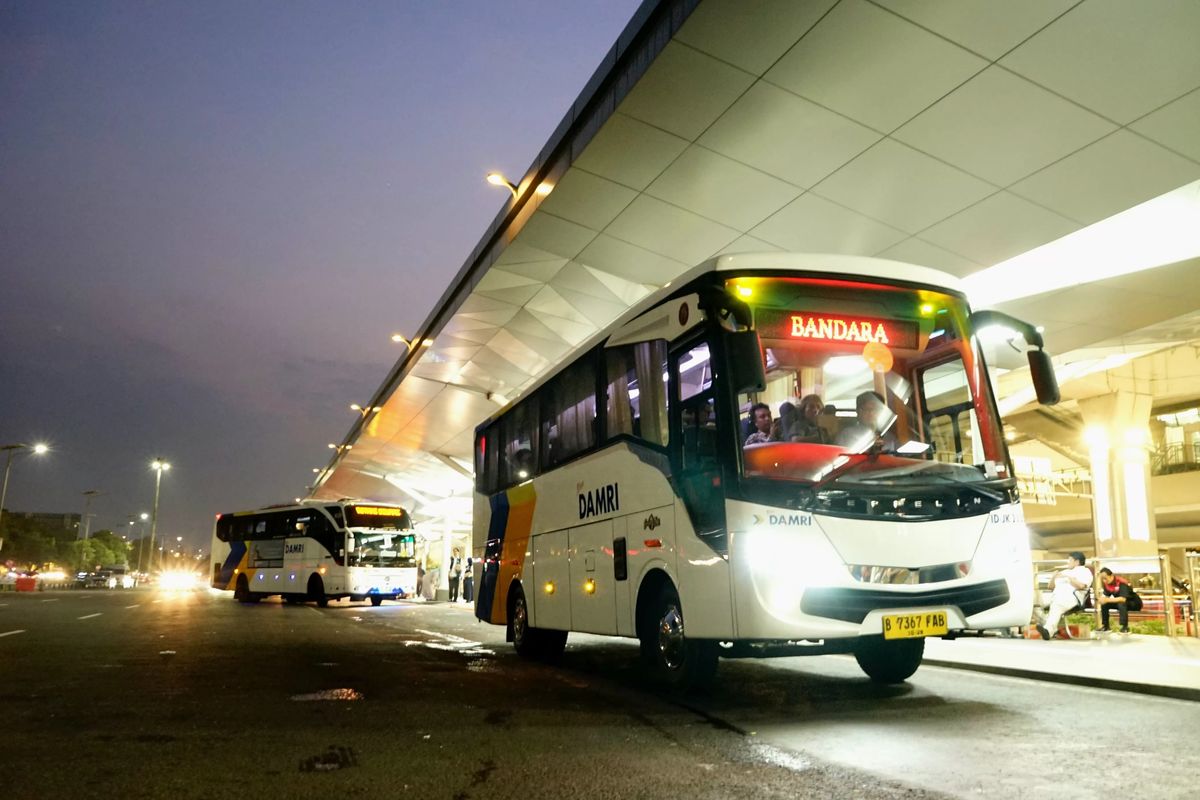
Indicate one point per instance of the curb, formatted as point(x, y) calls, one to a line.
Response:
point(1173, 692)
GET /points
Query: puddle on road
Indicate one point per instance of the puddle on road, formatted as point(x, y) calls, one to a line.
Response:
point(483, 666)
point(329, 694)
point(333, 758)
point(780, 758)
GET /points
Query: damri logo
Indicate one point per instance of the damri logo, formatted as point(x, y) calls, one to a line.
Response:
point(783, 519)
point(604, 500)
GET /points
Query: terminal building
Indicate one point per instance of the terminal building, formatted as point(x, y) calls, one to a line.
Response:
point(1046, 153)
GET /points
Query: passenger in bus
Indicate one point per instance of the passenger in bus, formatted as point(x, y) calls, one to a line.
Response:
point(760, 416)
point(807, 428)
point(781, 429)
point(870, 427)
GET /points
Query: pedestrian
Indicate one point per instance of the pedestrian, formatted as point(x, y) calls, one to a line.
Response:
point(468, 591)
point(1069, 589)
point(1117, 592)
point(454, 573)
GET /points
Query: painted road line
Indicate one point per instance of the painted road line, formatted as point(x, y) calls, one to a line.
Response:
point(88, 616)
point(135, 605)
point(10, 633)
point(51, 600)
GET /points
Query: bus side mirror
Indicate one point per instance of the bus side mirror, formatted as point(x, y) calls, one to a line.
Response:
point(746, 361)
point(1045, 382)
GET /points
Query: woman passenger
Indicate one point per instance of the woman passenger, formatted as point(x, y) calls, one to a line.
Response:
point(806, 428)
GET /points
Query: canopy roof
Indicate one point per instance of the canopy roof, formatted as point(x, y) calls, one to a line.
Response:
point(955, 135)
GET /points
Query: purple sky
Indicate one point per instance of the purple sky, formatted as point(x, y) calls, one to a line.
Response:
point(213, 215)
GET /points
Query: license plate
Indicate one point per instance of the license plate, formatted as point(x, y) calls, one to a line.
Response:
point(914, 626)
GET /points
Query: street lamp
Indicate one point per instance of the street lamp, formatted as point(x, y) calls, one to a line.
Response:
point(11, 450)
point(159, 466)
point(498, 179)
point(142, 538)
point(363, 412)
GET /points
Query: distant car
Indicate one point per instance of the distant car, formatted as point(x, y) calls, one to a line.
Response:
point(118, 578)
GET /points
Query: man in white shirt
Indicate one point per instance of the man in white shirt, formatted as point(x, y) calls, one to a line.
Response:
point(1068, 589)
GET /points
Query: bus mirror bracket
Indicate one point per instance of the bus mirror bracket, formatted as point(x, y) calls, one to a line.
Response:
point(745, 361)
point(1041, 368)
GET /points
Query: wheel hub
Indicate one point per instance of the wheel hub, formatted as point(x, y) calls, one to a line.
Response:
point(670, 638)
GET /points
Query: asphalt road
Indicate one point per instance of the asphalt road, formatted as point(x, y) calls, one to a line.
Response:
point(141, 694)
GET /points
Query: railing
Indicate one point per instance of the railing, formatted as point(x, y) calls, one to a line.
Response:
point(1044, 488)
point(1171, 458)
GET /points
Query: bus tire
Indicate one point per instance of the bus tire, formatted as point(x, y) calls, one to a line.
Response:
point(316, 591)
point(376, 599)
point(676, 661)
point(889, 661)
point(529, 642)
point(242, 592)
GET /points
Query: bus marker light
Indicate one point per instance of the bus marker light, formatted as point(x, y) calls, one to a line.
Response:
point(653, 543)
point(549, 587)
point(589, 586)
point(321, 570)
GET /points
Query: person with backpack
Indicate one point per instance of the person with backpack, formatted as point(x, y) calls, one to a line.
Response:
point(1117, 592)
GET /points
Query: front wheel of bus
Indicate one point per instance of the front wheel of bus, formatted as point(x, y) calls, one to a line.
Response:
point(316, 591)
point(679, 662)
point(889, 661)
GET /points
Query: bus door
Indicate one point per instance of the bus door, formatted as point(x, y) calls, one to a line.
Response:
point(695, 437)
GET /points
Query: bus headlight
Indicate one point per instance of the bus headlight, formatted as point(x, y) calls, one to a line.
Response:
point(784, 563)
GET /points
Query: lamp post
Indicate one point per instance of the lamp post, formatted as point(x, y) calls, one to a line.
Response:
point(159, 466)
point(10, 451)
point(367, 411)
point(142, 537)
point(87, 516)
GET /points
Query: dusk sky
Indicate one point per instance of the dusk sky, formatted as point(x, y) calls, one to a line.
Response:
point(213, 215)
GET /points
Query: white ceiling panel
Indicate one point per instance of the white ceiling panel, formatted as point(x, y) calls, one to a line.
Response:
point(630, 152)
point(1176, 126)
point(1120, 59)
point(751, 36)
point(1109, 176)
point(813, 224)
point(684, 91)
point(748, 244)
point(914, 250)
point(722, 189)
point(998, 228)
point(555, 235)
point(873, 66)
point(629, 261)
point(587, 199)
point(670, 231)
point(578, 278)
point(1001, 127)
point(597, 311)
point(985, 26)
point(540, 271)
point(907, 189)
point(778, 132)
point(628, 292)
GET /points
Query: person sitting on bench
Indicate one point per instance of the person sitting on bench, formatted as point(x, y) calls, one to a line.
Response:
point(1117, 592)
point(1068, 589)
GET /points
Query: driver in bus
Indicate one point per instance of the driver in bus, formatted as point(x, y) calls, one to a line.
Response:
point(760, 416)
point(870, 427)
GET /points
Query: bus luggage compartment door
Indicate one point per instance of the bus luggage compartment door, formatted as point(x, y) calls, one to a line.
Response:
point(593, 599)
point(549, 595)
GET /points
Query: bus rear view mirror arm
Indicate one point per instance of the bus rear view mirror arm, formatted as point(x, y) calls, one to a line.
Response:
point(1041, 368)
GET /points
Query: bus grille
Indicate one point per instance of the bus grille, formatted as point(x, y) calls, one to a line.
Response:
point(853, 605)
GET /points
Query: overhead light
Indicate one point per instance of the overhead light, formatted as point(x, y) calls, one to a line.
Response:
point(498, 179)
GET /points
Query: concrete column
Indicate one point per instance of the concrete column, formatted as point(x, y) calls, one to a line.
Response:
point(443, 589)
point(1118, 441)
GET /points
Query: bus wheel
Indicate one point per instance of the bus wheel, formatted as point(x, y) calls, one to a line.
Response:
point(532, 642)
point(677, 661)
point(889, 661)
point(316, 591)
point(376, 599)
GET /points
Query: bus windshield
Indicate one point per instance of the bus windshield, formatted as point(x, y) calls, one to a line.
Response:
point(868, 385)
point(381, 549)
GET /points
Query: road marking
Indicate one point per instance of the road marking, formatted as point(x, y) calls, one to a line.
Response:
point(88, 616)
point(51, 600)
point(135, 605)
point(10, 633)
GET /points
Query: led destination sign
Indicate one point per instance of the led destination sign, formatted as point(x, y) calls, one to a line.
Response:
point(835, 328)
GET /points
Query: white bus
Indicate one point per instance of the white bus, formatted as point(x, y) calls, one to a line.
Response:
point(620, 496)
point(317, 551)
